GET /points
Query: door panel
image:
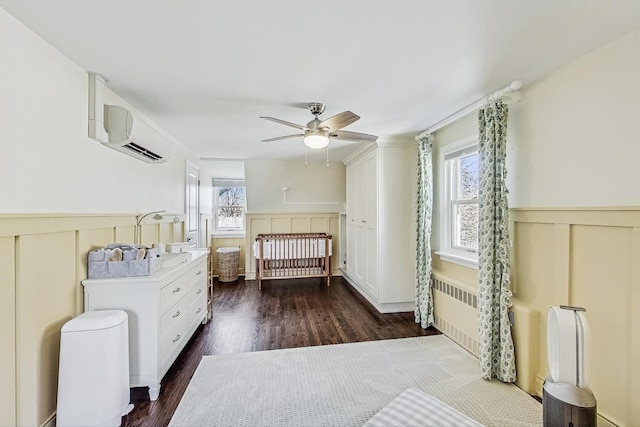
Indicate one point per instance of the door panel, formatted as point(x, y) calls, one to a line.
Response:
point(370, 188)
point(371, 279)
point(351, 250)
point(361, 254)
point(192, 197)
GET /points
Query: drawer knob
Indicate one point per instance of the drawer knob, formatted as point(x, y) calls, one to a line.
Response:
point(176, 290)
point(199, 310)
point(177, 314)
point(176, 338)
point(199, 272)
point(199, 292)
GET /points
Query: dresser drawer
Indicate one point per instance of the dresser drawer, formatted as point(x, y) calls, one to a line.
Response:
point(172, 292)
point(198, 289)
point(172, 339)
point(175, 313)
point(197, 310)
point(197, 273)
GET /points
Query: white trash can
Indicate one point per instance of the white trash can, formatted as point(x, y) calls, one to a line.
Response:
point(93, 375)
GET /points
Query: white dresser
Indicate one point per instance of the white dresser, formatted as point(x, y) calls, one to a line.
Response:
point(164, 311)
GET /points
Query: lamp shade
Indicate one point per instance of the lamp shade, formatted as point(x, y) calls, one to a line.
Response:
point(316, 140)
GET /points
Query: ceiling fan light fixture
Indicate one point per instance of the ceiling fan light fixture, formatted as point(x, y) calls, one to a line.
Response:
point(317, 132)
point(316, 140)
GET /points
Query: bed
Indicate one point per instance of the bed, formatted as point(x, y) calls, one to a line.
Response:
point(414, 407)
point(292, 255)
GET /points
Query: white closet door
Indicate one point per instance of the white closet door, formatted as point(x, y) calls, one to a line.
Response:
point(192, 201)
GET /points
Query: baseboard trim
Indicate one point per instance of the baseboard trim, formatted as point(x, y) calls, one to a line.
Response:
point(393, 307)
point(51, 422)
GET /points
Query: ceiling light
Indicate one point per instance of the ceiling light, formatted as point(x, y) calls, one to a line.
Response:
point(316, 140)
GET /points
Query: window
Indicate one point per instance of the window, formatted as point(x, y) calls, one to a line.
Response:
point(229, 205)
point(460, 219)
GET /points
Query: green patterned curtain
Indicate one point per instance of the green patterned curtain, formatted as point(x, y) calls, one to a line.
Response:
point(424, 197)
point(496, 344)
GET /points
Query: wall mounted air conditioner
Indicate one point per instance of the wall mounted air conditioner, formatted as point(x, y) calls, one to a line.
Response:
point(132, 136)
point(119, 128)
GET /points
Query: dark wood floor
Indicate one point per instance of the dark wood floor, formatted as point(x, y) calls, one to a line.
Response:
point(285, 314)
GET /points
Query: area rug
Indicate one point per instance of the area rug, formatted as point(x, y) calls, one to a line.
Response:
point(345, 385)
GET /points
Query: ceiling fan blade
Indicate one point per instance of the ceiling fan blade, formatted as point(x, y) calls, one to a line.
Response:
point(339, 121)
point(293, 125)
point(282, 137)
point(353, 136)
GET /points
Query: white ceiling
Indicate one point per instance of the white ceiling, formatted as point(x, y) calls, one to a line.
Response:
point(206, 70)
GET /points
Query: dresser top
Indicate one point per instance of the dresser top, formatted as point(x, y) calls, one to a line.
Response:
point(173, 265)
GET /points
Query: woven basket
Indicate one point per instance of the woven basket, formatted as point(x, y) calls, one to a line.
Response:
point(228, 263)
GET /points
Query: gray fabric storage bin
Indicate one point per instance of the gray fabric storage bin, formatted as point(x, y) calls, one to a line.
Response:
point(99, 266)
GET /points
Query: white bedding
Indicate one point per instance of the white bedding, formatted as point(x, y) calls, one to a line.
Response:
point(414, 407)
point(291, 248)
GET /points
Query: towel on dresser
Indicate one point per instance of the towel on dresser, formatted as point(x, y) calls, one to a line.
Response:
point(414, 407)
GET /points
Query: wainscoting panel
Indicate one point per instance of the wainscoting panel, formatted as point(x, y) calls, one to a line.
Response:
point(533, 275)
point(89, 240)
point(283, 225)
point(46, 292)
point(125, 234)
point(300, 225)
point(587, 257)
point(532, 279)
point(291, 223)
point(149, 234)
point(601, 281)
point(257, 225)
point(43, 259)
point(7, 332)
point(325, 223)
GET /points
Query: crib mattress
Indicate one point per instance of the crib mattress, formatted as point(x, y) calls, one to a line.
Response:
point(291, 248)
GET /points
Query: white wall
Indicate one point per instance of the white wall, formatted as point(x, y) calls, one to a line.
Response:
point(47, 162)
point(315, 188)
point(577, 133)
point(574, 139)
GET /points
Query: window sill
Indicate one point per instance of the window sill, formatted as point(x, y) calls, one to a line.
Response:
point(230, 235)
point(457, 259)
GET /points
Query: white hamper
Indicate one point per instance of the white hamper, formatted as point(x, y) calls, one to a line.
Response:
point(93, 377)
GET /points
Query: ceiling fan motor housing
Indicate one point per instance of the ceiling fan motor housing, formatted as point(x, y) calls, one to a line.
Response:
point(316, 108)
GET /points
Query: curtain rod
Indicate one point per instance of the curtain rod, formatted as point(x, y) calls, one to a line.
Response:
point(512, 92)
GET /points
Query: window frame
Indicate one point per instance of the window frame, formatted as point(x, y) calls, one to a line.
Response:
point(218, 183)
point(448, 250)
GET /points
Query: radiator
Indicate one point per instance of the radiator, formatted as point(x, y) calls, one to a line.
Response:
point(456, 312)
point(456, 316)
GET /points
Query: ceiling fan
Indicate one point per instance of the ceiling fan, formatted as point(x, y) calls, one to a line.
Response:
point(317, 133)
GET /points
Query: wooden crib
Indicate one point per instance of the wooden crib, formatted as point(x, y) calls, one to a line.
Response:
point(292, 255)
